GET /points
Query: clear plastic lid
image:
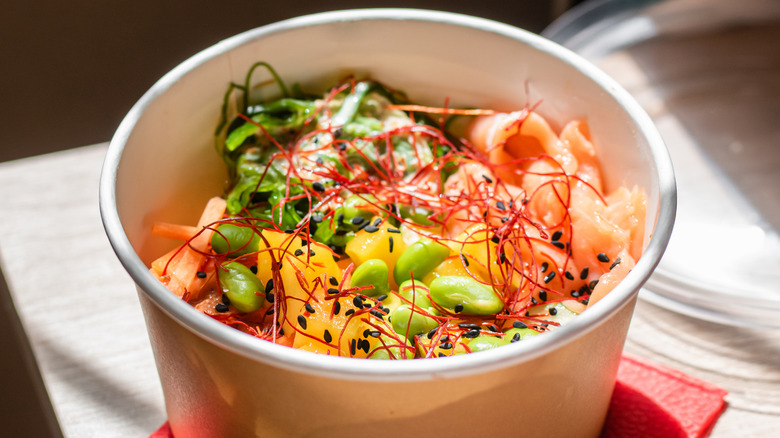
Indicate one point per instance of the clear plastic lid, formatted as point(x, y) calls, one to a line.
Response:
point(708, 73)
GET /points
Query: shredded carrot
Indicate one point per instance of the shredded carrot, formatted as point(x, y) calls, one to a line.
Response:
point(174, 231)
point(182, 264)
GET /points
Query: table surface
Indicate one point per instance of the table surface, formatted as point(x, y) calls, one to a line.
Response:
point(81, 314)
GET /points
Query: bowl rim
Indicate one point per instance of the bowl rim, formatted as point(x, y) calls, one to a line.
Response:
point(358, 369)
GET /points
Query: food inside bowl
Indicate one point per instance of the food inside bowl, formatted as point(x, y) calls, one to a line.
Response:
point(359, 224)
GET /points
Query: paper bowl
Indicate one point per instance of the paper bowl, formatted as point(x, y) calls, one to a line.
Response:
point(219, 382)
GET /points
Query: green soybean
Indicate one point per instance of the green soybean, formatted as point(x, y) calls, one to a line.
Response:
point(417, 294)
point(419, 258)
point(359, 206)
point(234, 240)
point(486, 342)
point(372, 273)
point(241, 287)
point(383, 351)
point(518, 334)
point(418, 215)
point(408, 323)
point(465, 295)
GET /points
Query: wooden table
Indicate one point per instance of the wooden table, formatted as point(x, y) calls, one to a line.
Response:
point(83, 321)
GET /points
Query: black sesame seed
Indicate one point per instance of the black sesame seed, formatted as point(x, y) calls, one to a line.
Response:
point(393, 230)
point(201, 274)
point(543, 295)
point(519, 325)
point(289, 230)
point(349, 312)
point(458, 308)
point(366, 333)
point(469, 326)
point(442, 354)
point(390, 242)
point(575, 293)
point(534, 302)
point(327, 336)
point(377, 221)
point(303, 242)
point(302, 321)
point(333, 281)
point(316, 218)
point(553, 311)
point(340, 218)
point(225, 300)
point(557, 235)
point(568, 275)
point(602, 257)
point(464, 260)
point(353, 347)
point(493, 328)
point(221, 308)
point(309, 308)
point(584, 273)
point(332, 291)
point(317, 186)
point(270, 297)
point(270, 285)
point(312, 253)
point(377, 314)
point(515, 338)
point(544, 267)
point(502, 258)
point(253, 268)
point(357, 220)
point(335, 258)
point(558, 244)
point(336, 308)
point(471, 334)
point(549, 277)
point(371, 229)
point(446, 346)
point(487, 178)
point(341, 146)
point(298, 252)
point(381, 297)
point(585, 301)
point(495, 239)
point(592, 284)
point(500, 205)
point(615, 263)
point(358, 302)
point(432, 332)
point(376, 333)
point(270, 311)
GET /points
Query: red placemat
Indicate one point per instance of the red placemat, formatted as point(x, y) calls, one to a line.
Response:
point(649, 401)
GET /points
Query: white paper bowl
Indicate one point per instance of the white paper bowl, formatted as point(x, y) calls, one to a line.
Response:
point(217, 381)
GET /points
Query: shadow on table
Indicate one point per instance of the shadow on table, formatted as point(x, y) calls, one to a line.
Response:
point(25, 408)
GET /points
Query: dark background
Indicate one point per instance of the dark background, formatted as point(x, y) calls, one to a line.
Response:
point(72, 69)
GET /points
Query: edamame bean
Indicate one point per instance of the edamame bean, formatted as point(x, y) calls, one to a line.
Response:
point(234, 240)
point(465, 295)
point(386, 346)
point(416, 292)
point(486, 342)
point(408, 323)
point(359, 206)
point(419, 258)
point(418, 215)
point(240, 285)
point(518, 334)
point(372, 273)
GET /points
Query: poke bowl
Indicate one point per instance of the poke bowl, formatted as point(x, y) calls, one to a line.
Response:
point(226, 372)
